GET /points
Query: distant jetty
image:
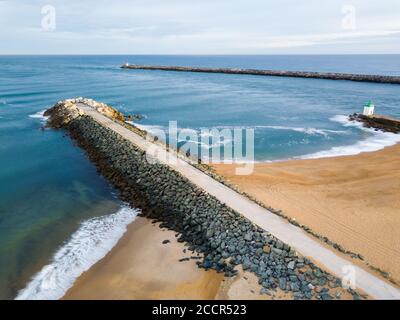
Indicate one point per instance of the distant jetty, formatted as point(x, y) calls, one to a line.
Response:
point(274, 73)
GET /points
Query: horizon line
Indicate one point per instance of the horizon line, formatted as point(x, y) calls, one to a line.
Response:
point(198, 54)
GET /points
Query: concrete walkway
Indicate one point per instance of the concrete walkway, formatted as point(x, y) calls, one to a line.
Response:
point(280, 228)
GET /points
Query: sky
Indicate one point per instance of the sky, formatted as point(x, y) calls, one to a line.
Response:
point(199, 27)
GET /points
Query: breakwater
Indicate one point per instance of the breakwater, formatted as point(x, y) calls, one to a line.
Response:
point(377, 122)
point(275, 73)
point(223, 237)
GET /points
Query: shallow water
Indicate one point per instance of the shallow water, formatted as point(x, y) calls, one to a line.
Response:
point(49, 188)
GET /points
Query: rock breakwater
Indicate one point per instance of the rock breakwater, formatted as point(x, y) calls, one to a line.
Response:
point(275, 73)
point(64, 112)
point(222, 237)
point(377, 122)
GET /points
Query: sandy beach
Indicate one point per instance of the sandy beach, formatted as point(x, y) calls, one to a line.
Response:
point(141, 266)
point(352, 200)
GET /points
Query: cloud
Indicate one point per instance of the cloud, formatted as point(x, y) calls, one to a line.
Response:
point(318, 39)
point(199, 26)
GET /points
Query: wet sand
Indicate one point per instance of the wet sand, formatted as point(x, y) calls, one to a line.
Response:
point(140, 266)
point(352, 200)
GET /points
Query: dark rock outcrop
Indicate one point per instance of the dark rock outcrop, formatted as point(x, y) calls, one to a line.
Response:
point(377, 122)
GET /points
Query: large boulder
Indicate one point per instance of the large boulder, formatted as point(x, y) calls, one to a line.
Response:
point(63, 112)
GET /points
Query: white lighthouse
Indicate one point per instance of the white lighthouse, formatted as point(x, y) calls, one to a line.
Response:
point(369, 109)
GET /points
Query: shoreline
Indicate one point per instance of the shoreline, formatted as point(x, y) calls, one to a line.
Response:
point(140, 267)
point(352, 200)
point(377, 140)
point(89, 244)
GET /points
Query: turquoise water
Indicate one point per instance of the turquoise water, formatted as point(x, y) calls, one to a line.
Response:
point(48, 187)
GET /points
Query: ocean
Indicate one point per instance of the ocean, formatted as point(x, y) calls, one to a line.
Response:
point(58, 216)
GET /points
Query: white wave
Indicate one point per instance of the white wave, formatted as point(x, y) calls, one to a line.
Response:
point(376, 141)
point(310, 131)
point(346, 122)
point(206, 132)
point(39, 115)
point(90, 243)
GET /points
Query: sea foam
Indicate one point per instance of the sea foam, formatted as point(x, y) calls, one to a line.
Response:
point(39, 115)
point(310, 131)
point(376, 141)
point(306, 130)
point(90, 243)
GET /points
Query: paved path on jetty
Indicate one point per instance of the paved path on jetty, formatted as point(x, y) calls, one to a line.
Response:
point(280, 228)
point(276, 73)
